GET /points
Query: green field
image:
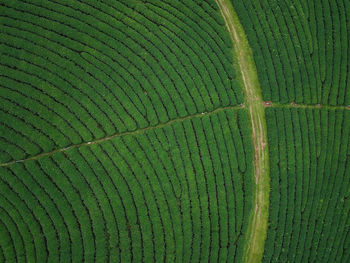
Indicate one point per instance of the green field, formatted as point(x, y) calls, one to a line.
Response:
point(174, 131)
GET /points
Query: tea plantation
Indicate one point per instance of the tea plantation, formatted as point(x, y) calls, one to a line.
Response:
point(174, 131)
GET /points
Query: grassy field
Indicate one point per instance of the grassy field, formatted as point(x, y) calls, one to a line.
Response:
point(174, 131)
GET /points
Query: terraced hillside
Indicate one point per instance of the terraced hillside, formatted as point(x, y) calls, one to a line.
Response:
point(72, 73)
point(135, 131)
point(310, 179)
point(301, 51)
point(142, 197)
point(122, 134)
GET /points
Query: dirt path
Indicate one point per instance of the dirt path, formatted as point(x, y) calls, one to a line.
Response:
point(101, 140)
point(257, 227)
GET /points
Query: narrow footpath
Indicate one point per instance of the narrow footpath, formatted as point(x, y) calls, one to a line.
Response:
point(257, 226)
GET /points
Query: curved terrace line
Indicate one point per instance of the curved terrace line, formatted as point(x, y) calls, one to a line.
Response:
point(101, 140)
point(257, 226)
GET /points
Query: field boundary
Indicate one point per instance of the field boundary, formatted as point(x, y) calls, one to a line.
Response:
point(101, 140)
point(304, 106)
point(258, 219)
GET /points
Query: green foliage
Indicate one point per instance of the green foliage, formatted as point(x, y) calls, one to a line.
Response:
point(122, 139)
point(306, 197)
point(74, 72)
point(300, 49)
point(168, 194)
point(105, 156)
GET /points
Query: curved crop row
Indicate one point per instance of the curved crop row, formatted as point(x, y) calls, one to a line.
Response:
point(174, 194)
point(310, 180)
point(301, 49)
point(78, 71)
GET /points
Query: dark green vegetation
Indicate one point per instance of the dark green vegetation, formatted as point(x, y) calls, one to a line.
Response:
point(174, 194)
point(310, 185)
point(301, 48)
point(73, 72)
point(122, 138)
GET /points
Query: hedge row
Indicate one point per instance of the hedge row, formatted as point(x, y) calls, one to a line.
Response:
point(301, 49)
point(181, 193)
point(78, 71)
point(310, 178)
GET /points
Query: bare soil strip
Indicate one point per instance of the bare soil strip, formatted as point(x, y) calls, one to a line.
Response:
point(198, 115)
point(305, 106)
point(257, 227)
